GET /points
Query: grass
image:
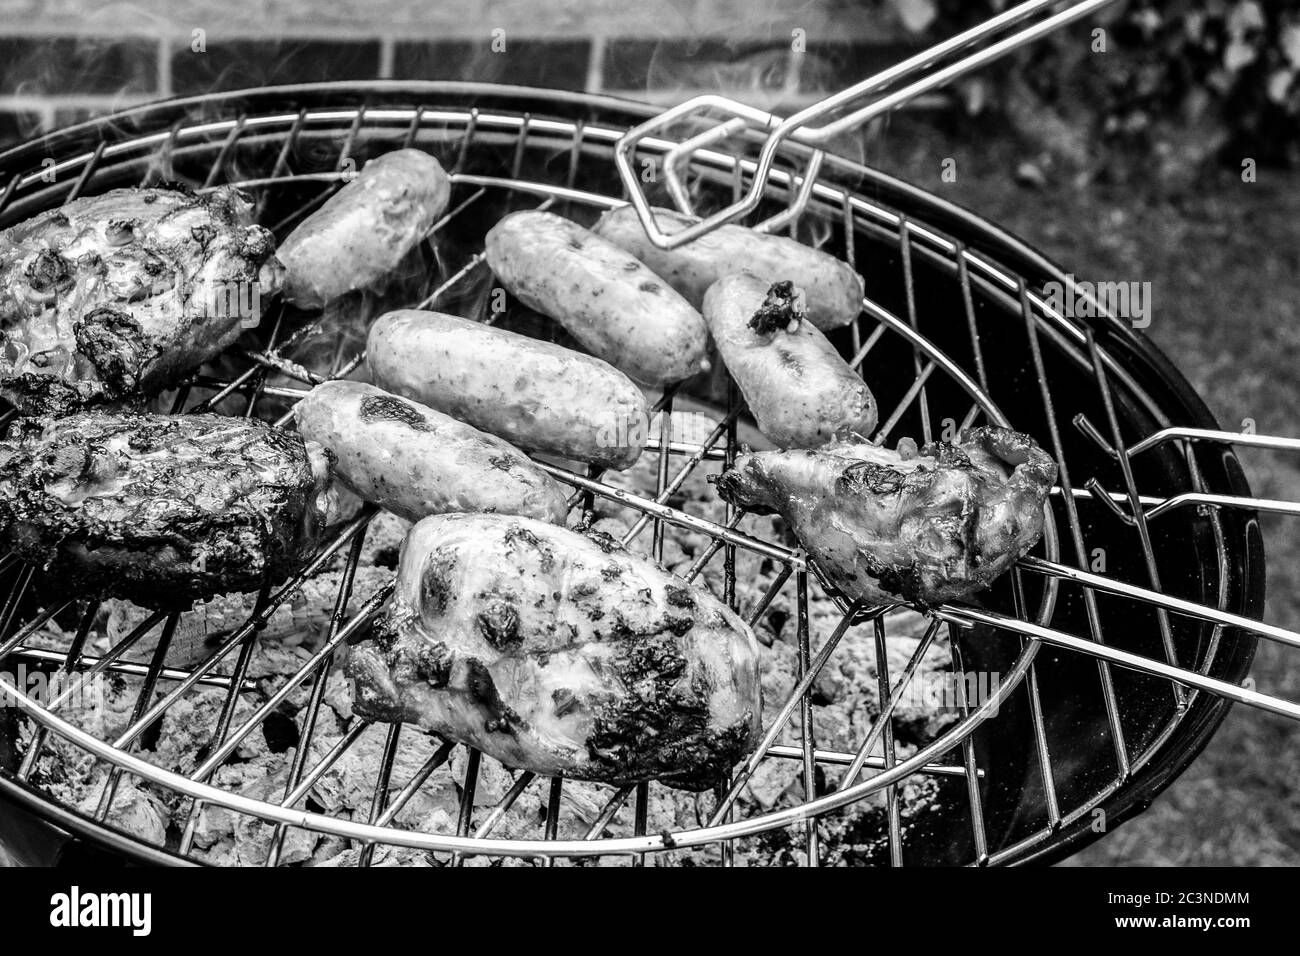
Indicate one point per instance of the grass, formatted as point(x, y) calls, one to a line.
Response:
point(1223, 260)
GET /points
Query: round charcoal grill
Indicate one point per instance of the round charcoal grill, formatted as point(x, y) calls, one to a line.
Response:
point(1119, 642)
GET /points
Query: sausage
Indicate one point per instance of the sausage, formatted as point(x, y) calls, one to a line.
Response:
point(834, 290)
point(365, 229)
point(612, 304)
point(538, 396)
point(801, 392)
point(415, 461)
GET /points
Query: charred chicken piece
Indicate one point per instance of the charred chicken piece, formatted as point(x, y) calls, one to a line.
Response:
point(887, 526)
point(560, 653)
point(116, 295)
point(160, 509)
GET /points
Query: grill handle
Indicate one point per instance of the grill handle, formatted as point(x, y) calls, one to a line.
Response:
point(1166, 435)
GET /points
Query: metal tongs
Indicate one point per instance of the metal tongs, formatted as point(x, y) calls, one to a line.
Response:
point(885, 91)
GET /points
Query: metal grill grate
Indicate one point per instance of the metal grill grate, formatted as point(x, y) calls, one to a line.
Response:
point(1051, 609)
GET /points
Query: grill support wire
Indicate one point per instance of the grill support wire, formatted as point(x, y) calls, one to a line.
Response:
point(954, 754)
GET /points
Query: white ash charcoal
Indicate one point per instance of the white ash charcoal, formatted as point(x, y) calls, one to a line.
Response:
point(493, 779)
point(774, 625)
point(327, 846)
point(385, 855)
point(581, 802)
point(187, 728)
point(133, 810)
point(439, 820)
point(439, 794)
point(384, 535)
point(772, 780)
point(104, 715)
point(273, 661)
point(350, 782)
point(338, 694)
point(327, 726)
point(674, 553)
point(302, 619)
point(489, 862)
point(66, 772)
point(236, 839)
point(828, 685)
point(51, 637)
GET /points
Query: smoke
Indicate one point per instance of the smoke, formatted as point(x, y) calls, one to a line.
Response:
point(756, 74)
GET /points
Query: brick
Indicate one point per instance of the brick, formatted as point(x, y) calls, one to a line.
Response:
point(694, 64)
point(235, 64)
point(556, 64)
point(759, 20)
point(44, 66)
point(819, 19)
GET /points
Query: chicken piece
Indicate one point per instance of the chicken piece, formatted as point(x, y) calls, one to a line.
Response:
point(111, 296)
point(562, 654)
point(888, 526)
point(160, 509)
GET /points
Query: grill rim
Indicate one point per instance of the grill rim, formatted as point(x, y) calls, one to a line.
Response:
point(1007, 249)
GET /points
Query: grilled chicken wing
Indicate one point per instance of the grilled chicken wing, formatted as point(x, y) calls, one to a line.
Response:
point(885, 525)
point(560, 653)
point(161, 509)
point(119, 294)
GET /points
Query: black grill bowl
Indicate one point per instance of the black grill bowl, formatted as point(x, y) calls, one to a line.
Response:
point(930, 267)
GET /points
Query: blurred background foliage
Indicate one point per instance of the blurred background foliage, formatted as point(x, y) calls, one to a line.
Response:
point(1181, 84)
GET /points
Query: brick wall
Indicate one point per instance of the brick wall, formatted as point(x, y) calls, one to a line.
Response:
point(64, 60)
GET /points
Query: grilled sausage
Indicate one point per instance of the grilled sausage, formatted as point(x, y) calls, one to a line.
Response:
point(802, 393)
point(364, 230)
point(536, 395)
point(834, 290)
point(611, 303)
point(415, 461)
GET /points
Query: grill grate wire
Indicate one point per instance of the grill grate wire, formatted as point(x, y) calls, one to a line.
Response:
point(975, 273)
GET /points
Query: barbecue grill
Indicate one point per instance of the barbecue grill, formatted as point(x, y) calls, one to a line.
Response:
point(1121, 640)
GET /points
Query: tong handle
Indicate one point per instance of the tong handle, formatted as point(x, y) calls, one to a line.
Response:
point(919, 74)
point(924, 74)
